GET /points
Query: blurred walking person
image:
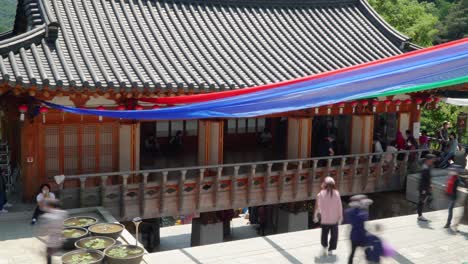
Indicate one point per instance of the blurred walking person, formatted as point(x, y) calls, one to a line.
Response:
point(425, 196)
point(328, 206)
point(452, 185)
point(357, 215)
point(52, 226)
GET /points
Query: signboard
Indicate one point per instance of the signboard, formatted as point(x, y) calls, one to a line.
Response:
point(416, 129)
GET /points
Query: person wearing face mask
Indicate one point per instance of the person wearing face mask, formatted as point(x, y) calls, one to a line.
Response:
point(44, 195)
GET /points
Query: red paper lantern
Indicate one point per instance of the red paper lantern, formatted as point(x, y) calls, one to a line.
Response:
point(436, 100)
point(387, 102)
point(121, 108)
point(22, 109)
point(365, 103)
point(341, 106)
point(43, 110)
point(429, 100)
point(353, 105)
point(138, 107)
point(398, 103)
point(100, 108)
point(408, 101)
point(419, 101)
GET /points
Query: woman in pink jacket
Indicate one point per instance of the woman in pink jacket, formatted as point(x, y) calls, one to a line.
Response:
point(328, 205)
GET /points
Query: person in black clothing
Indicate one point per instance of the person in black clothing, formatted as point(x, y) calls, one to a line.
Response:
point(326, 149)
point(425, 185)
point(454, 170)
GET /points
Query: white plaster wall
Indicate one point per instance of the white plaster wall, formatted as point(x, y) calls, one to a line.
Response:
point(125, 155)
point(293, 138)
point(92, 102)
point(404, 122)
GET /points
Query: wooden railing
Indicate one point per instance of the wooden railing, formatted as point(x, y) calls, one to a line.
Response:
point(180, 191)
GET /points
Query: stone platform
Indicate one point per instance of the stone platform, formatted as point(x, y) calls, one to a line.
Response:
point(415, 243)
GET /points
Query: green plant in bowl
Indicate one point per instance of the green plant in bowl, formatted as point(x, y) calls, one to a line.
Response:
point(107, 229)
point(80, 221)
point(71, 235)
point(124, 254)
point(95, 242)
point(83, 256)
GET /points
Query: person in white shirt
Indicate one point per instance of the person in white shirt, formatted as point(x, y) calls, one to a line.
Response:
point(44, 195)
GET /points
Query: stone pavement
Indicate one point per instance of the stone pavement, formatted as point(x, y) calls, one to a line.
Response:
point(415, 243)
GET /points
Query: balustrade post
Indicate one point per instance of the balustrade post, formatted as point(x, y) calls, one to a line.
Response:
point(201, 175)
point(311, 179)
point(82, 191)
point(124, 194)
point(405, 168)
point(234, 185)
point(266, 182)
point(340, 176)
point(103, 190)
point(354, 174)
point(281, 181)
point(215, 194)
point(250, 183)
point(143, 185)
point(297, 179)
point(162, 193)
point(327, 169)
point(378, 180)
point(180, 193)
point(393, 166)
point(365, 176)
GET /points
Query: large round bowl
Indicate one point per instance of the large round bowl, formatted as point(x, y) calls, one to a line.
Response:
point(112, 230)
point(124, 254)
point(71, 235)
point(83, 256)
point(80, 221)
point(95, 243)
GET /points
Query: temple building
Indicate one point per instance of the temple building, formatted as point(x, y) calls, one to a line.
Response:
point(108, 54)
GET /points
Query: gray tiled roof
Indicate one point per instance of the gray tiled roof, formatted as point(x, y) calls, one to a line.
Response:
point(188, 43)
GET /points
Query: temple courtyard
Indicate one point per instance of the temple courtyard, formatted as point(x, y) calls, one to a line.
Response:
point(414, 242)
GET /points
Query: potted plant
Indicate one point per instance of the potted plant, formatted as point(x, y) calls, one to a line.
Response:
point(124, 254)
point(71, 235)
point(83, 256)
point(95, 242)
point(112, 230)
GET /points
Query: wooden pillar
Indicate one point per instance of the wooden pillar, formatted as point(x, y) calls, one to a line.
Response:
point(299, 138)
point(362, 134)
point(30, 155)
point(210, 142)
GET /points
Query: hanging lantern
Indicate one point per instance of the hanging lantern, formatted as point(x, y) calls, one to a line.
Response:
point(329, 108)
point(353, 105)
point(436, 101)
point(387, 103)
point(43, 110)
point(418, 103)
point(100, 108)
point(375, 103)
point(22, 109)
point(341, 106)
point(398, 103)
point(138, 107)
point(121, 108)
point(429, 100)
point(316, 110)
point(155, 107)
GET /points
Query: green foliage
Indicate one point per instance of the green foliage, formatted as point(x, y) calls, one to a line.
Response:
point(7, 14)
point(454, 25)
point(415, 19)
point(431, 120)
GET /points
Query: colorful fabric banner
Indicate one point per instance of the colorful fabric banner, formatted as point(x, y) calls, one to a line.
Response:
point(430, 68)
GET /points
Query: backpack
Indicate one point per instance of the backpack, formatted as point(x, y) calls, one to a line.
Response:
point(450, 184)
